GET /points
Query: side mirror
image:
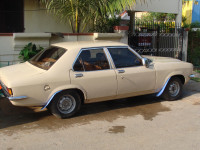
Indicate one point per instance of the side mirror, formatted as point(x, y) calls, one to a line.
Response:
point(146, 62)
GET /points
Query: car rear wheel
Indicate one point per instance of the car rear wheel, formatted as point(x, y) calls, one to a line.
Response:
point(65, 104)
point(173, 90)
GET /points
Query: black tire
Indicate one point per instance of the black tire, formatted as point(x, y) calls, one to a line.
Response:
point(173, 90)
point(65, 104)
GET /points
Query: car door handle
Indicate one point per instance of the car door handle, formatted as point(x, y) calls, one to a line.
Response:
point(121, 71)
point(79, 75)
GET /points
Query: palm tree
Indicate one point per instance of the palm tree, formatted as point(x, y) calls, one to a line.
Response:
point(80, 13)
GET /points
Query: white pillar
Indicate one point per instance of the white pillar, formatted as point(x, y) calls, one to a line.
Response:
point(185, 45)
point(179, 15)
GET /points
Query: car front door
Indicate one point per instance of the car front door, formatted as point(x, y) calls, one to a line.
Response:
point(132, 76)
point(93, 73)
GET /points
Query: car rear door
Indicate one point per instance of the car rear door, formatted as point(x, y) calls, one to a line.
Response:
point(132, 76)
point(92, 71)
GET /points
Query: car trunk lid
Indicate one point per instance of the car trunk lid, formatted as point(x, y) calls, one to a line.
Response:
point(18, 71)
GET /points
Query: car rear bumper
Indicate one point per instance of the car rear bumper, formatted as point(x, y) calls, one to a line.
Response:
point(17, 98)
point(6, 94)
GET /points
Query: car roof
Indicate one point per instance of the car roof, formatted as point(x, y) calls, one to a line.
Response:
point(87, 44)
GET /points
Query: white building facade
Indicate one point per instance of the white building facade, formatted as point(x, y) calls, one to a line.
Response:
point(32, 23)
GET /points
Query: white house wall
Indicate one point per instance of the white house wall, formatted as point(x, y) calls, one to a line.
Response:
point(7, 54)
point(36, 19)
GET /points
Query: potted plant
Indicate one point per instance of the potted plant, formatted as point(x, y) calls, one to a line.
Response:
point(29, 51)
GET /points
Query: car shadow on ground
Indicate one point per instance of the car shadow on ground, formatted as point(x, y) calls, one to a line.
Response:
point(147, 106)
point(191, 88)
point(11, 115)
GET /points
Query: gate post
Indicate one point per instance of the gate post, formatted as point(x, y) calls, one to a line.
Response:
point(158, 40)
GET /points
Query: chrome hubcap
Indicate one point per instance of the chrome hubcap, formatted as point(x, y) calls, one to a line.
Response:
point(66, 104)
point(174, 88)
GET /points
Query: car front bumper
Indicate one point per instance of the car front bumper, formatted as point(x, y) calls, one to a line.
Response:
point(192, 76)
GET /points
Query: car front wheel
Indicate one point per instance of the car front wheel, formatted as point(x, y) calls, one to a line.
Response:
point(65, 104)
point(173, 90)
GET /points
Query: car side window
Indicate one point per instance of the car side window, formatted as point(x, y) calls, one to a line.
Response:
point(90, 60)
point(123, 58)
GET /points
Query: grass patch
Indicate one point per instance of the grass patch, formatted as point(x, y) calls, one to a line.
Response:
point(196, 79)
point(198, 71)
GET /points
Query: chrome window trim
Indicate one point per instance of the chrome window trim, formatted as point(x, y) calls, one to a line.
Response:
point(92, 48)
point(140, 57)
point(110, 58)
point(76, 60)
point(83, 49)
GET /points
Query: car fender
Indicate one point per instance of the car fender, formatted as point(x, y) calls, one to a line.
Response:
point(60, 89)
point(167, 79)
point(174, 73)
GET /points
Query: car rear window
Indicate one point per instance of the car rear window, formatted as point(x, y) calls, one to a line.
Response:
point(45, 59)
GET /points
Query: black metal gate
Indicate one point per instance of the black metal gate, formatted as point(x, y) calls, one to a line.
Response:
point(157, 39)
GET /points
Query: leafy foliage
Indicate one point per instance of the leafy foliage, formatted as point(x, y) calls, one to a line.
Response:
point(195, 25)
point(105, 25)
point(29, 51)
point(196, 79)
point(153, 16)
point(198, 71)
point(194, 48)
point(184, 22)
point(81, 13)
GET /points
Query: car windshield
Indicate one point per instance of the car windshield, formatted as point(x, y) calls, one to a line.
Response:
point(46, 58)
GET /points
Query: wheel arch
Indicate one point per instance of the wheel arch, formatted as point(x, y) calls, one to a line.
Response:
point(179, 75)
point(80, 91)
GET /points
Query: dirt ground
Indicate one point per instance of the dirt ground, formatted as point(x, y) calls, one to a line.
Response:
point(138, 123)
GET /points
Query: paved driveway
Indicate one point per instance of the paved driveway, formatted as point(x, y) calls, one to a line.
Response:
point(139, 123)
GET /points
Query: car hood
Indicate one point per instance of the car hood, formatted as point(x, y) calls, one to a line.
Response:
point(161, 59)
point(15, 73)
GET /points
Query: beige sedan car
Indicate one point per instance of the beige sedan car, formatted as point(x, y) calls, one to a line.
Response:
point(67, 75)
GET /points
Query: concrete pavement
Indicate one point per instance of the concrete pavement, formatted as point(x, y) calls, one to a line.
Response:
point(138, 123)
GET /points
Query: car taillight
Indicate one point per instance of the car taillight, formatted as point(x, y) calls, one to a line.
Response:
point(9, 91)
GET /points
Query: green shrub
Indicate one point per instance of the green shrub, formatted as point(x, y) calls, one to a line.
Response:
point(196, 79)
point(29, 51)
point(194, 48)
point(195, 25)
point(105, 25)
point(198, 71)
